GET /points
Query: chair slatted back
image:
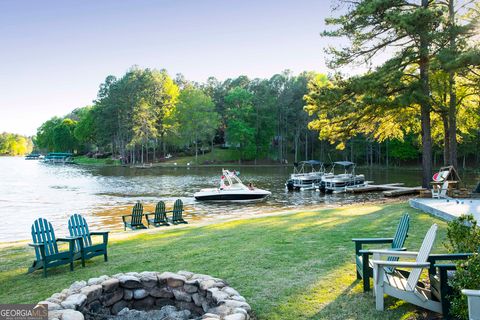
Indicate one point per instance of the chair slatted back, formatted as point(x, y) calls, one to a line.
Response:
point(137, 214)
point(42, 232)
point(422, 256)
point(77, 226)
point(402, 232)
point(177, 210)
point(160, 214)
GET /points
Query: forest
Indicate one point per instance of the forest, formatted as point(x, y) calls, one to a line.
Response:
point(419, 105)
point(12, 144)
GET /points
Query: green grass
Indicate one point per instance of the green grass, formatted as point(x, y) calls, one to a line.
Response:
point(293, 266)
point(84, 160)
point(218, 155)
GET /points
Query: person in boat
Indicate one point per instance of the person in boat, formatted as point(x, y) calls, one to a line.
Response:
point(250, 186)
point(222, 182)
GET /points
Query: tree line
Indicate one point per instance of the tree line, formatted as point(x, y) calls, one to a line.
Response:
point(15, 144)
point(145, 115)
point(426, 88)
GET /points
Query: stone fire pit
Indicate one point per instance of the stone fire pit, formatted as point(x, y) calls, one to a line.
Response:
point(149, 295)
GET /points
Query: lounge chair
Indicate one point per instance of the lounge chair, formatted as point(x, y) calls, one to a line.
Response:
point(134, 220)
point(78, 227)
point(473, 297)
point(395, 284)
point(46, 248)
point(177, 212)
point(362, 257)
point(159, 216)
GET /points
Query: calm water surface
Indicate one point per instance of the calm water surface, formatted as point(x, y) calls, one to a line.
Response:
point(32, 189)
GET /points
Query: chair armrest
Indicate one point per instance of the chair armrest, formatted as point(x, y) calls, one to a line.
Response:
point(68, 239)
point(99, 233)
point(448, 256)
point(395, 253)
point(369, 252)
point(360, 241)
point(404, 264)
point(149, 214)
point(373, 240)
point(469, 292)
point(37, 244)
point(446, 266)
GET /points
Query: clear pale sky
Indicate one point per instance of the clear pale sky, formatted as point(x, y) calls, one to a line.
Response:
point(54, 54)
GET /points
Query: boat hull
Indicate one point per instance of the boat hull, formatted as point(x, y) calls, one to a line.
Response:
point(230, 197)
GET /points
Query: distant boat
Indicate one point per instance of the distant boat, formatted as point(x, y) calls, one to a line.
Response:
point(58, 158)
point(231, 188)
point(306, 175)
point(336, 183)
point(34, 156)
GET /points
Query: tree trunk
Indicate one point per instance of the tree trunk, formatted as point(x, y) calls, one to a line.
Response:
point(425, 108)
point(446, 140)
point(452, 110)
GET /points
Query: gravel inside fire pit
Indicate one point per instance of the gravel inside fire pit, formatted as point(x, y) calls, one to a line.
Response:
point(166, 313)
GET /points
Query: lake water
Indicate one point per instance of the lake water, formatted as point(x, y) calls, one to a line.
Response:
point(32, 189)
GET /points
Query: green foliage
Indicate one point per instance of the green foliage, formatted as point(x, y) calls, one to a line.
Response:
point(463, 236)
point(403, 150)
point(14, 144)
point(85, 129)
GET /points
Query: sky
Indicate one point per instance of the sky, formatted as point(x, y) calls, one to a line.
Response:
point(55, 54)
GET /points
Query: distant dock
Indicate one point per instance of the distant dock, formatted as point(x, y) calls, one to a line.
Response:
point(388, 190)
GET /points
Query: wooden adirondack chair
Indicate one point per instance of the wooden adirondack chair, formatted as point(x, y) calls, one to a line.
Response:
point(362, 257)
point(46, 248)
point(440, 272)
point(78, 227)
point(135, 221)
point(177, 212)
point(159, 216)
point(399, 286)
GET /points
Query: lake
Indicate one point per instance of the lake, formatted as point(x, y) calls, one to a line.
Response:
point(32, 189)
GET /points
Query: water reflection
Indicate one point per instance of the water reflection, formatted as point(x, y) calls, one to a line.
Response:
point(30, 189)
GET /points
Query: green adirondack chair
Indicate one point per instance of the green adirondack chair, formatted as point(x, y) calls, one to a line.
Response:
point(364, 265)
point(177, 212)
point(78, 227)
point(135, 221)
point(159, 216)
point(46, 249)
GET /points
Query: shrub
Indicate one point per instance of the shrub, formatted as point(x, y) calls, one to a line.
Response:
point(463, 235)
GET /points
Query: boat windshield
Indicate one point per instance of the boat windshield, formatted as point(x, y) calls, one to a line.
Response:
point(231, 180)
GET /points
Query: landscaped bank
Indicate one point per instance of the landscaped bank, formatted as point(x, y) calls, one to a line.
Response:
point(292, 266)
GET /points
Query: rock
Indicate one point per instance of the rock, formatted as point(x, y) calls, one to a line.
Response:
point(241, 310)
point(207, 284)
point(182, 305)
point(129, 282)
point(190, 288)
point(236, 304)
point(93, 281)
point(161, 293)
point(231, 291)
point(111, 298)
point(181, 295)
point(235, 316)
point(238, 298)
point(198, 299)
point(51, 305)
point(173, 280)
point(77, 286)
point(53, 300)
point(117, 307)
point(133, 274)
point(58, 296)
point(123, 311)
point(202, 276)
point(127, 294)
point(211, 316)
point(144, 304)
point(187, 274)
point(148, 279)
point(140, 294)
point(92, 292)
point(110, 285)
point(74, 301)
point(164, 302)
point(72, 315)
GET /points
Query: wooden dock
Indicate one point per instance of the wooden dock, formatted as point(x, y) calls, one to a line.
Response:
point(389, 190)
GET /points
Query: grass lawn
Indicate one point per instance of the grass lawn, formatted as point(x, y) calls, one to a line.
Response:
point(92, 161)
point(218, 155)
point(290, 266)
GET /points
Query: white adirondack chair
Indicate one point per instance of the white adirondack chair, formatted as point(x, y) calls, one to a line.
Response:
point(395, 284)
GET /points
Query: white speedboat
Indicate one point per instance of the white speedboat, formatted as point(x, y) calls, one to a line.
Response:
point(231, 188)
point(306, 175)
point(336, 183)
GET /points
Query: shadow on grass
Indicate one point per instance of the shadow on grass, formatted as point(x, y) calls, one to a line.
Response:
point(272, 261)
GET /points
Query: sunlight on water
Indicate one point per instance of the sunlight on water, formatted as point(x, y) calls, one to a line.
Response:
point(31, 189)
